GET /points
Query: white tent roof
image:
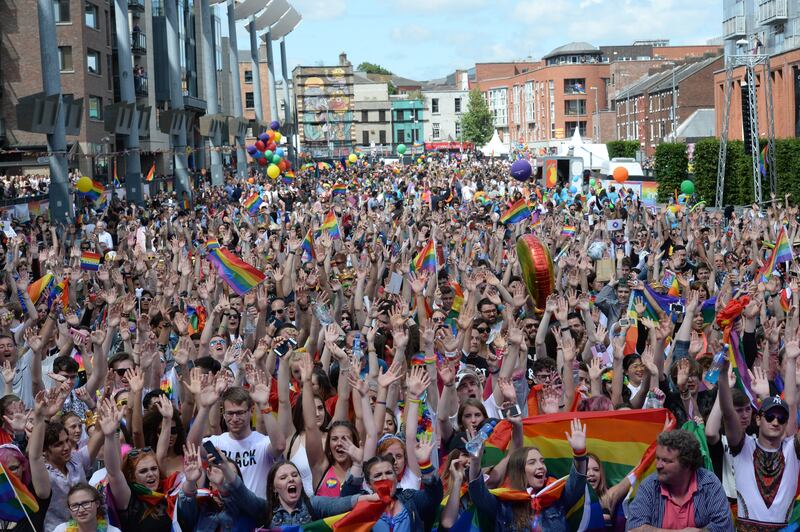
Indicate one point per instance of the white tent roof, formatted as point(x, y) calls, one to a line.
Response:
point(495, 147)
point(593, 155)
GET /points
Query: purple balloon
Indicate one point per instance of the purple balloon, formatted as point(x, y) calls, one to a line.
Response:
point(274, 125)
point(521, 170)
point(263, 138)
point(251, 149)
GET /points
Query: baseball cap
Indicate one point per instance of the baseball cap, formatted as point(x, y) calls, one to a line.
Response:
point(466, 374)
point(773, 402)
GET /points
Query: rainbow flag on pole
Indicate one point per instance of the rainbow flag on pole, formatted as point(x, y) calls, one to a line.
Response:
point(151, 173)
point(331, 225)
point(782, 252)
point(117, 184)
point(95, 191)
point(762, 161)
point(308, 248)
point(568, 230)
point(60, 291)
point(253, 203)
point(40, 286)
point(338, 189)
point(16, 502)
point(90, 261)
point(425, 259)
point(516, 213)
point(239, 275)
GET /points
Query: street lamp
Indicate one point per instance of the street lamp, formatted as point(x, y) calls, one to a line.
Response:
point(596, 118)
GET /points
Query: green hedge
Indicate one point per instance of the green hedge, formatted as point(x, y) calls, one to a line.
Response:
point(622, 148)
point(671, 164)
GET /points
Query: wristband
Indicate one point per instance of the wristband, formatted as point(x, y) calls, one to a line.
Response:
point(579, 454)
point(382, 403)
point(494, 372)
point(426, 467)
point(266, 410)
point(450, 385)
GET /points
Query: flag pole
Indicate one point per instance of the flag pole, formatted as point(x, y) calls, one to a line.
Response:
point(3, 469)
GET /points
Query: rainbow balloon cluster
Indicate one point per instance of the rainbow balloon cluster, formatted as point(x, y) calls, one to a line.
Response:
point(266, 152)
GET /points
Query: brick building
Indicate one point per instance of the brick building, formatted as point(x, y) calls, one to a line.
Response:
point(84, 37)
point(653, 107)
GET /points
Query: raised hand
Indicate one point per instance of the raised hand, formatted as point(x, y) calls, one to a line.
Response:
point(108, 417)
point(424, 447)
point(418, 381)
point(392, 375)
point(577, 436)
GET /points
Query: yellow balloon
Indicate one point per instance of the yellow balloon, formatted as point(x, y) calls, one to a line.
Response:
point(353, 157)
point(277, 137)
point(84, 184)
point(273, 171)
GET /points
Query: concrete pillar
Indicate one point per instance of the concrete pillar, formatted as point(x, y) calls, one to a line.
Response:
point(273, 98)
point(210, 81)
point(256, 71)
point(182, 184)
point(236, 89)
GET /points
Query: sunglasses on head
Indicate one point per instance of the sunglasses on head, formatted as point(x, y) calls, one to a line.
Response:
point(133, 453)
point(782, 418)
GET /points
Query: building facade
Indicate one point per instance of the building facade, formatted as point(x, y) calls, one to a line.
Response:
point(444, 108)
point(408, 120)
point(373, 112)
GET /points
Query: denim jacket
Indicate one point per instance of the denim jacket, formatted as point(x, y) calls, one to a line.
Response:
point(553, 518)
point(241, 501)
point(204, 516)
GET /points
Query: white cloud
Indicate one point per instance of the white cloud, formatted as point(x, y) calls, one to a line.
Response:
point(410, 34)
point(321, 9)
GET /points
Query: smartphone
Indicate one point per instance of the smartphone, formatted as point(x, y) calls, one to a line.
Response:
point(276, 322)
point(213, 452)
point(284, 348)
point(627, 322)
point(395, 284)
point(511, 411)
point(676, 308)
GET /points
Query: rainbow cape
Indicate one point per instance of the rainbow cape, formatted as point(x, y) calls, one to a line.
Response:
point(253, 203)
point(516, 213)
point(782, 252)
point(150, 173)
point(308, 248)
point(331, 225)
point(16, 502)
point(40, 286)
point(425, 259)
point(239, 275)
point(90, 261)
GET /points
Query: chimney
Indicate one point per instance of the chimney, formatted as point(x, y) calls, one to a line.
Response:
point(343, 59)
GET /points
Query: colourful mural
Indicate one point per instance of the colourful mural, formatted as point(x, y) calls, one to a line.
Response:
point(325, 105)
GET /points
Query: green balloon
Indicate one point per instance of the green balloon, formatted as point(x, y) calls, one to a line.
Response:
point(276, 158)
point(401, 149)
point(687, 187)
point(591, 182)
point(268, 155)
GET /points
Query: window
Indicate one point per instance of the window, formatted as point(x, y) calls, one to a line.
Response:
point(90, 16)
point(575, 86)
point(435, 105)
point(575, 107)
point(61, 10)
point(248, 76)
point(93, 61)
point(95, 108)
point(435, 127)
point(382, 136)
point(571, 126)
point(457, 102)
point(381, 116)
point(249, 100)
point(365, 138)
point(458, 130)
point(365, 116)
point(65, 58)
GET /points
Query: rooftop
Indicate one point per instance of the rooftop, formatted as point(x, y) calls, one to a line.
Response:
point(578, 47)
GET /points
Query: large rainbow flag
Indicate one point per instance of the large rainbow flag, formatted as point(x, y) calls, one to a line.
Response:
point(16, 502)
point(150, 173)
point(239, 275)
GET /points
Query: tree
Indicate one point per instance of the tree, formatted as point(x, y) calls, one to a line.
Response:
point(477, 123)
point(371, 68)
point(622, 148)
point(670, 167)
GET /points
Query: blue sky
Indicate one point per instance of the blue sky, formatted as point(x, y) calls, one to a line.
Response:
point(426, 39)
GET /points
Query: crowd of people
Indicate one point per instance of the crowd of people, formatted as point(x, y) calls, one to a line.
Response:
point(19, 185)
point(162, 390)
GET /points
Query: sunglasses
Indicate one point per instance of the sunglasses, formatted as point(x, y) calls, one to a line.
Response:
point(782, 419)
point(120, 372)
point(482, 330)
point(232, 315)
point(133, 453)
point(215, 342)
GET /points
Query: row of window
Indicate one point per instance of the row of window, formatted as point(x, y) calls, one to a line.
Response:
point(91, 13)
point(94, 60)
point(435, 105)
point(366, 141)
point(436, 130)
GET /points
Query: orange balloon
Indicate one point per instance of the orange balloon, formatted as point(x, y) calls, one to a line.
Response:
point(620, 174)
point(282, 165)
point(251, 180)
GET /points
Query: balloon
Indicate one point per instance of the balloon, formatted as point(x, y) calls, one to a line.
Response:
point(268, 154)
point(263, 137)
point(251, 149)
point(281, 152)
point(272, 145)
point(573, 189)
point(687, 187)
point(270, 134)
point(275, 125)
point(352, 158)
point(283, 165)
point(84, 184)
point(620, 174)
point(521, 170)
point(260, 146)
point(401, 149)
point(592, 182)
point(262, 161)
point(273, 171)
point(251, 180)
point(276, 158)
point(258, 155)
point(276, 137)
point(537, 268)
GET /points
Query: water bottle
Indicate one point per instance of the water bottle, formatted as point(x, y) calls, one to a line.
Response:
point(712, 375)
point(323, 314)
point(653, 400)
point(357, 347)
point(474, 445)
point(249, 323)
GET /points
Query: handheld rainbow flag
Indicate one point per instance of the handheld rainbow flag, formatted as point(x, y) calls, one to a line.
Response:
point(61, 292)
point(117, 184)
point(568, 230)
point(16, 502)
point(782, 252)
point(288, 177)
point(331, 225)
point(95, 191)
point(308, 248)
point(196, 317)
point(40, 286)
point(786, 299)
point(239, 275)
point(338, 189)
point(762, 161)
point(253, 203)
point(516, 213)
point(90, 261)
point(425, 259)
point(535, 218)
point(151, 173)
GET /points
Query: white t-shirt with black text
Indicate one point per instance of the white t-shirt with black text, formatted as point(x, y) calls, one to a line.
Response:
point(251, 455)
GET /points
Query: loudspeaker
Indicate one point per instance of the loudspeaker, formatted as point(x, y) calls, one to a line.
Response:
point(174, 121)
point(37, 113)
point(746, 132)
point(118, 118)
point(143, 118)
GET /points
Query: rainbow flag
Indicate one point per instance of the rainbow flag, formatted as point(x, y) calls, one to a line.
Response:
point(151, 173)
point(535, 218)
point(762, 161)
point(782, 252)
point(117, 184)
point(288, 177)
point(708, 308)
point(60, 291)
point(338, 189)
point(196, 317)
point(618, 438)
point(568, 230)
point(239, 275)
point(90, 261)
point(253, 203)
point(40, 286)
point(308, 248)
point(331, 225)
point(674, 288)
point(786, 299)
point(425, 259)
point(516, 213)
point(95, 191)
point(480, 197)
point(16, 502)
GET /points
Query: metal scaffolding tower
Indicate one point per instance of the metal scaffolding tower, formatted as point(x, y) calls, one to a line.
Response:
point(756, 66)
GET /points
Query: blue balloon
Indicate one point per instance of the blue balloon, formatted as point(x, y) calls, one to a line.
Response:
point(274, 125)
point(280, 151)
point(258, 155)
point(251, 149)
point(573, 189)
point(521, 170)
point(263, 138)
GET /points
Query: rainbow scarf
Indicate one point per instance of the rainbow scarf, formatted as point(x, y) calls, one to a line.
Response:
point(516, 213)
point(253, 203)
point(331, 225)
point(72, 525)
point(239, 275)
point(90, 261)
point(151, 173)
point(40, 286)
point(425, 259)
point(16, 502)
